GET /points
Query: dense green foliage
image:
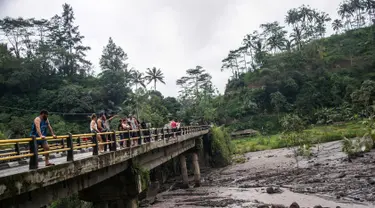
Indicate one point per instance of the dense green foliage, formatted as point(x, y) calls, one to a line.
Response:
point(221, 147)
point(43, 65)
point(320, 79)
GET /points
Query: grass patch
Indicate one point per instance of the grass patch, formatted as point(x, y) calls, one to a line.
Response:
point(315, 134)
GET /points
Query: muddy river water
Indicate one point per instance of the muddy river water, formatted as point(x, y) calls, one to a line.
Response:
point(272, 178)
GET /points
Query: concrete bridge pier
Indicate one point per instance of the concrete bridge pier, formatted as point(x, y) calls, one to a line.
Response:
point(184, 173)
point(197, 172)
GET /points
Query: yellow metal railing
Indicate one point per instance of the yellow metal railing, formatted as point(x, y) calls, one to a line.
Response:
point(69, 143)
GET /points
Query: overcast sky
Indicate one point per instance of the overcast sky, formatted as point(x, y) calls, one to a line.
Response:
point(173, 35)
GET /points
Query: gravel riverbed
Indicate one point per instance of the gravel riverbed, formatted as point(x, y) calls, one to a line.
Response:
point(272, 178)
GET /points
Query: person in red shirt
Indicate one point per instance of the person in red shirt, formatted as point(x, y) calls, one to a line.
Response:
point(173, 125)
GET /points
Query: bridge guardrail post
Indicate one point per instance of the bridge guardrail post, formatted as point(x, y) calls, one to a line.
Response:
point(163, 133)
point(129, 141)
point(157, 132)
point(140, 137)
point(168, 133)
point(69, 141)
point(105, 139)
point(62, 143)
point(17, 148)
point(95, 149)
point(79, 142)
point(114, 144)
point(149, 134)
point(33, 164)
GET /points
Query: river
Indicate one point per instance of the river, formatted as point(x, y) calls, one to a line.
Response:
point(272, 177)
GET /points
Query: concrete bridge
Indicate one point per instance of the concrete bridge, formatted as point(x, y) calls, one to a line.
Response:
point(114, 178)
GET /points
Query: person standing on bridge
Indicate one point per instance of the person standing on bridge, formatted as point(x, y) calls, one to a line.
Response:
point(94, 129)
point(39, 129)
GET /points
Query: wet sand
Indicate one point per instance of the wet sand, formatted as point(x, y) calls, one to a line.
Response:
point(325, 179)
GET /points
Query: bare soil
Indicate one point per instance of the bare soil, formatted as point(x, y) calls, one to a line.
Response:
point(272, 177)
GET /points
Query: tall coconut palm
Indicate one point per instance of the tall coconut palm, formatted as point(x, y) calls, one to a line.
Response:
point(293, 17)
point(321, 19)
point(138, 79)
point(247, 42)
point(357, 7)
point(337, 25)
point(154, 75)
point(346, 12)
point(369, 6)
point(296, 36)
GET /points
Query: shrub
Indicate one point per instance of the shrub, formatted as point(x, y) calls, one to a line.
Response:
point(221, 147)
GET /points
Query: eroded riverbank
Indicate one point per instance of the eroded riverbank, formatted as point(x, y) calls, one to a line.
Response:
point(326, 179)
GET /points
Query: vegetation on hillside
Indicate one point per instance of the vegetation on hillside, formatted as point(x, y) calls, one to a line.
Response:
point(221, 147)
point(321, 79)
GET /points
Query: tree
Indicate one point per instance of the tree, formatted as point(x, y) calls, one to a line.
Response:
point(154, 75)
point(66, 43)
point(113, 57)
point(337, 25)
point(346, 12)
point(369, 6)
point(138, 79)
point(113, 77)
point(197, 79)
point(275, 36)
point(279, 101)
point(196, 95)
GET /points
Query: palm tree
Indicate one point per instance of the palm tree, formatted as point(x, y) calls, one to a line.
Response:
point(154, 75)
point(357, 6)
point(293, 18)
point(321, 19)
point(369, 6)
point(296, 36)
point(346, 12)
point(337, 25)
point(275, 36)
point(247, 42)
point(138, 79)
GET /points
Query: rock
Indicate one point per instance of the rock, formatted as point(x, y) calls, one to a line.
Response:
point(263, 206)
point(270, 190)
point(318, 206)
point(341, 175)
point(317, 164)
point(338, 207)
point(371, 181)
point(294, 205)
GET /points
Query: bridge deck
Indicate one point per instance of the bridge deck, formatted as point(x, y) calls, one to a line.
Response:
point(57, 161)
